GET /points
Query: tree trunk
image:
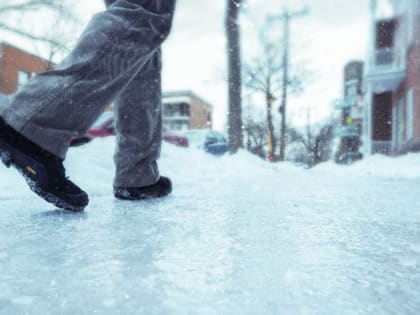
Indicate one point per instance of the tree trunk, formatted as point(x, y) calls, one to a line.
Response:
point(234, 76)
point(271, 141)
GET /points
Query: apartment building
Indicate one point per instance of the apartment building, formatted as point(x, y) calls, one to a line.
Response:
point(184, 110)
point(392, 80)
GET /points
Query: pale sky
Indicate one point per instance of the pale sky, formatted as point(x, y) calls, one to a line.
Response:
point(334, 33)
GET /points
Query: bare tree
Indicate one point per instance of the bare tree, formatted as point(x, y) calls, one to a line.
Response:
point(256, 137)
point(318, 141)
point(61, 32)
point(18, 10)
point(263, 75)
point(234, 75)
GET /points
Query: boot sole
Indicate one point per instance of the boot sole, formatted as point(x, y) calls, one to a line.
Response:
point(142, 196)
point(7, 158)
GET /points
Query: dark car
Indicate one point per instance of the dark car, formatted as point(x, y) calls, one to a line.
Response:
point(210, 141)
point(105, 127)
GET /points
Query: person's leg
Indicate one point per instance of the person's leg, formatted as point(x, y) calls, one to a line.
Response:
point(60, 104)
point(138, 120)
point(139, 124)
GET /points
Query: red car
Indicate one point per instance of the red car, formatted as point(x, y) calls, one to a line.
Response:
point(104, 127)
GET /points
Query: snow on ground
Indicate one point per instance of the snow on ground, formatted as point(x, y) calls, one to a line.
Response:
point(407, 166)
point(237, 236)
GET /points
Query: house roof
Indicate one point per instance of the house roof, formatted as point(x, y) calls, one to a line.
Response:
point(183, 95)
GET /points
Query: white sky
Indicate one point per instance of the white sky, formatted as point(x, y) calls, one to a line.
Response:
point(334, 33)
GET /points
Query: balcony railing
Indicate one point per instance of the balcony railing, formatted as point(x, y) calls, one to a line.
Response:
point(178, 118)
point(385, 70)
point(384, 56)
point(382, 147)
point(386, 60)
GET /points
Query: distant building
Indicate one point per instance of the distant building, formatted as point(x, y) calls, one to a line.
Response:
point(392, 81)
point(184, 110)
point(17, 66)
point(351, 113)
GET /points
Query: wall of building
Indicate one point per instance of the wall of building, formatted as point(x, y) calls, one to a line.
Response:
point(407, 53)
point(412, 81)
point(200, 115)
point(414, 77)
point(14, 60)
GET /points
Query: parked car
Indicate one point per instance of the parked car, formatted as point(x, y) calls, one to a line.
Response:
point(105, 127)
point(173, 137)
point(211, 141)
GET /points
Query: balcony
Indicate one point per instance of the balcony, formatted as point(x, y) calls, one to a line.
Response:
point(386, 69)
point(177, 111)
point(176, 118)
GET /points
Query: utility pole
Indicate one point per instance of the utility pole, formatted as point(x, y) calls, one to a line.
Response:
point(234, 75)
point(287, 17)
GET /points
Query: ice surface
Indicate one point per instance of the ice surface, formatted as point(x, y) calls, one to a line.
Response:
point(238, 236)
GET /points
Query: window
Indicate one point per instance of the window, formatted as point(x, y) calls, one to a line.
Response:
point(209, 119)
point(23, 77)
point(176, 109)
point(385, 41)
point(385, 33)
point(410, 96)
point(3, 99)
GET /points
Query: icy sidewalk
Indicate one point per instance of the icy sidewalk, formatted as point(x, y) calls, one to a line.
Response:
point(238, 236)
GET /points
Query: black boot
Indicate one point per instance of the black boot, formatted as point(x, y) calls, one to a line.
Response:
point(162, 188)
point(44, 172)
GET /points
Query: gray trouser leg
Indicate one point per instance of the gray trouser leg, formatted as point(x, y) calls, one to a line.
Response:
point(139, 123)
point(117, 44)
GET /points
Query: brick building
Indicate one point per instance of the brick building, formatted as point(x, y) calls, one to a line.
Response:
point(392, 80)
point(185, 110)
point(17, 66)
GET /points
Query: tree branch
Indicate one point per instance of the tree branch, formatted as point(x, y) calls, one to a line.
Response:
point(38, 38)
